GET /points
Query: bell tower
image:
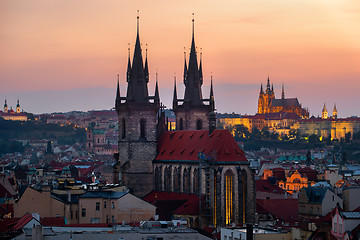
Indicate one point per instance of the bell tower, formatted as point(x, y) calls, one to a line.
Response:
point(137, 113)
point(192, 112)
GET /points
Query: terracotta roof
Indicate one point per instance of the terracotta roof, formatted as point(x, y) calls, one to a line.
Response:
point(168, 203)
point(185, 146)
point(266, 186)
point(22, 222)
point(285, 209)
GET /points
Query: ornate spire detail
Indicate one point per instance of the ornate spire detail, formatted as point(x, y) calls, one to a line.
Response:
point(268, 84)
point(283, 92)
point(193, 95)
point(175, 100)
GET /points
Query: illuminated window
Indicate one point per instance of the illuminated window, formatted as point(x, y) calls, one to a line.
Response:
point(229, 201)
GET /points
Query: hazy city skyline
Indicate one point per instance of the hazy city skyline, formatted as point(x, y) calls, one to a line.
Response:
point(62, 56)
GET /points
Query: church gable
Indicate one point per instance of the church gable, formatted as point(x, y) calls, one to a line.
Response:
point(186, 145)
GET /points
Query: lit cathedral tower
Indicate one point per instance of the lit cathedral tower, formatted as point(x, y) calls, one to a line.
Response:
point(191, 112)
point(137, 126)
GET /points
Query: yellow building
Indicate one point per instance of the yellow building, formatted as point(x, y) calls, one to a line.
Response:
point(330, 127)
point(294, 183)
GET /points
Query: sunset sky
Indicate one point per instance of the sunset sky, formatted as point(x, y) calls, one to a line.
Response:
point(63, 55)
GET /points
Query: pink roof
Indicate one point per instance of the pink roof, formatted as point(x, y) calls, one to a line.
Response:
point(185, 145)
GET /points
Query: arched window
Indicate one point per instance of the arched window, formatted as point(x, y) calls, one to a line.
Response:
point(186, 180)
point(229, 197)
point(181, 124)
point(123, 129)
point(196, 181)
point(199, 124)
point(177, 179)
point(142, 128)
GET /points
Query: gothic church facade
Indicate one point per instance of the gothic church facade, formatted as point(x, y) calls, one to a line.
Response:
point(196, 158)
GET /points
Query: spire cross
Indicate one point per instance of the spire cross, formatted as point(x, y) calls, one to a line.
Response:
point(137, 21)
point(193, 20)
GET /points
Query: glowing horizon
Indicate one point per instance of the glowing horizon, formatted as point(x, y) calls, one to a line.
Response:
point(311, 47)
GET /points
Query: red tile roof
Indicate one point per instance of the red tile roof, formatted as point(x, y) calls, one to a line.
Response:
point(266, 186)
point(185, 146)
point(284, 209)
point(22, 222)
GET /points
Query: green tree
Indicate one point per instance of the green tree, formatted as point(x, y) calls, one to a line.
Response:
point(265, 133)
point(313, 138)
point(348, 137)
point(241, 132)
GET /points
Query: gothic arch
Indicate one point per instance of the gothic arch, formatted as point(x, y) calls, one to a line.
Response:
point(176, 179)
point(196, 181)
point(167, 179)
point(186, 180)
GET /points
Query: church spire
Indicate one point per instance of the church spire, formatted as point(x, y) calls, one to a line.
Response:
point(268, 84)
point(212, 100)
point(200, 68)
point(283, 92)
point(272, 88)
point(117, 91)
point(156, 97)
point(261, 89)
point(138, 78)
point(185, 67)
point(128, 72)
point(193, 95)
point(175, 100)
point(146, 70)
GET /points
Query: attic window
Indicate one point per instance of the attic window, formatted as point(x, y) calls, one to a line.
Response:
point(182, 151)
point(192, 151)
point(201, 135)
point(163, 151)
point(192, 135)
point(172, 151)
point(181, 136)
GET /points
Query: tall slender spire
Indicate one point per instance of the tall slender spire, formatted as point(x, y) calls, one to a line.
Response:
point(128, 72)
point(283, 92)
point(146, 70)
point(185, 66)
point(272, 88)
point(193, 95)
point(268, 84)
point(118, 90)
point(175, 101)
point(5, 105)
point(200, 68)
point(156, 97)
point(261, 89)
point(212, 100)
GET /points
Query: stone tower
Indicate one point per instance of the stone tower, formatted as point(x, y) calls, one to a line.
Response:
point(325, 113)
point(18, 106)
point(335, 112)
point(265, 98)
point(6, 110)
point(137, 126)
point(191, 112)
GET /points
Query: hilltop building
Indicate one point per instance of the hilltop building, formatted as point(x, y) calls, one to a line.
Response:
point(267, 102)
point(10, 114)
point(195, 158)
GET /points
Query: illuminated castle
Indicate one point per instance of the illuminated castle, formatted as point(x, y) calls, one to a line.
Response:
point(10, 114)
point(269, 104)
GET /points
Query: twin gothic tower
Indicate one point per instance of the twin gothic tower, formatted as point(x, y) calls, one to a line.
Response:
point(141, 120)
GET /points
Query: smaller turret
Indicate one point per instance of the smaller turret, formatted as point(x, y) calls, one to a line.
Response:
point(335, 112)
point(18, 106)
point(325, 113)
point(6, 107)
